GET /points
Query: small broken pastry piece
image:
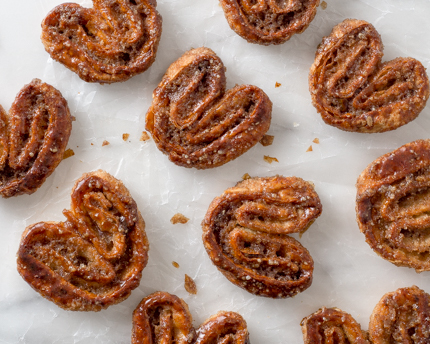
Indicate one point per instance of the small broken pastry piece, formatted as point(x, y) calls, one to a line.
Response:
point(245, 234)
point(111, 42)
point(402, 316)
point(162, 318)
point(332, 325)
point(393, 205)
point(269, 21)
point(95, 258)
point(33, 138)
point(354, 91)
point(195, 122)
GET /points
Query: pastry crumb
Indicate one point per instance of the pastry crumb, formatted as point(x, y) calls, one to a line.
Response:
point(73, 118)
point(105, 143)
point(277, 84)
point(246, 176)
point(323, 5)
point(175, 264)
point(310, 149)
point(92, 144)
point(179, 218)
point(145, 136)
point(267, 140)
point(190, 285)
point(316, 140)
point(125, 136)
point(68, 153)
point(270, 159)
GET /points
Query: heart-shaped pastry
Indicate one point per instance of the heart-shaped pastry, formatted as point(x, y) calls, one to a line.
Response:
point(393, 205)
point(33, 138)
point(269, 21)
point(245, 234)
point(111, 42)
point(354, 91)
point(162, 318)
point(195, 122)
point(95, 258)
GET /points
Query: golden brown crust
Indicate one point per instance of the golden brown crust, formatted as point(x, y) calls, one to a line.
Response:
point(269, 21)
point(111, 42)
point(354, 91)
point(402, 316)
point(162, 318)
point(392, 205)
point(195, 122)
point(244, 233)
point(95, 258)
point(332, 325)
point(33, 138)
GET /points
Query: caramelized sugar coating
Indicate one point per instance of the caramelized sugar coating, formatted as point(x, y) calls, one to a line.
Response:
point(245, 234)
point(162, 318)
point(195, 122)
point(269, 21)
point(402, 316)
point(33, 138)
point(111, 42)
point(354, 91)
point(95, 258)
point(332, 325)
point(393, 205)
point(223, 327)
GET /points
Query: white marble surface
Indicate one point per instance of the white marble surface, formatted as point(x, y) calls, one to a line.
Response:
point(348, 274)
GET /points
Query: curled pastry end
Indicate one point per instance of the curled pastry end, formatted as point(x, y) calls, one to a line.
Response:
point(269, 22)
point(245, 234)
point(392, 205)
point(354, 91)
point(95, 258)
point(332, 325)
point(195, 122)
point(33, 138)
point(110, 42)
point(402, 316)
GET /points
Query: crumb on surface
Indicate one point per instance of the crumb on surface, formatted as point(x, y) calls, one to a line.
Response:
point(73, 118)
point(175, 264)
point(145, 136)
point(323, 5)
point(310, 149)
point(190, 285)
point(267, 140)
point(316, 140)
point(179, 218)
point(105, 143)
point(277, 84)
point(92, 144)
point(270, 159)
point(68, 153)
point(246, 176)
point(125, 136)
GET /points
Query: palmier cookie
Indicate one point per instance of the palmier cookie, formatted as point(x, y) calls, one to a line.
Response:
point(195, 122)
point(332, 325)
point(95, 258)
point(33, 138)
point(245, 234)
point(111, 42)
point(162, 318)
point(269, 21)
point(393, 205)
point(354, 91)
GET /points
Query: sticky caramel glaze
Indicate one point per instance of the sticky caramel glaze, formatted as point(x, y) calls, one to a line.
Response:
point(245, 234)
point(393, 206)
point(402, 316)
point(162, 318)
point(223, 327)
point(195, 122)
point(354, 91)
point(95, 258)
point(33, 138)
point(269, 21)
point(111, 42)
point(332, 325)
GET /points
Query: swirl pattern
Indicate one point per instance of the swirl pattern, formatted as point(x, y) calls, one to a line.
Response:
point(393, 205)
point(402, 316)
point(162, 318)
point(269, 21)
point(332, 325)
point(111, 42)
point(96, 257)
point(195, 122)
point(244, 233)
point(354, 91)
point(33, 138)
